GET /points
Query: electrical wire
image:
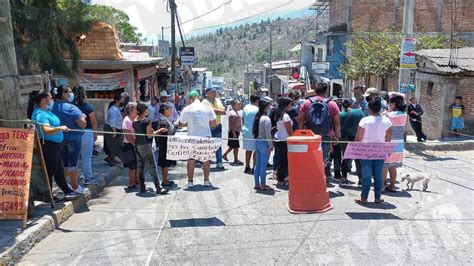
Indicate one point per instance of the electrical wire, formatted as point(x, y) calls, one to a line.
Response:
point(204, 14)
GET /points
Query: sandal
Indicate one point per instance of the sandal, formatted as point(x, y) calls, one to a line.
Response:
point(379, 201)
point(256, 187)
point(225, 158)
point(162, 191)
point(390, 189)
point(133, 187)
point(361, 201)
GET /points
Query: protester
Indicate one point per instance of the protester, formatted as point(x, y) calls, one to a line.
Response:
point(415, 112)
point(51, 135)
point(350, 119)
point(284, 126)
point(182, 101)
point(166, 111)
point(129, 157)
point(90, 135)
point(457, 110)
point(398, 118)
point(295, 97)
point(73, 118)
point(153, 108)
point(248, 117)
point(113, 124)
point(214, 103)
point(143, 140)
point(235, 127)
point(359, 100)
point(372, 93)
point(373, 129)
point(164, 98)
point(262, 132)
point(321, 115)
point(199, 119)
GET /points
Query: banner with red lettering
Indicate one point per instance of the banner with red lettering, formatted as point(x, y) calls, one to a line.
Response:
point(16, 151)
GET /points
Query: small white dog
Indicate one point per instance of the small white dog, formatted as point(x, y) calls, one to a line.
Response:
point(416, 177)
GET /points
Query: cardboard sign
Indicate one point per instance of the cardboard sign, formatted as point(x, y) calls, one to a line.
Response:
point(369, 151)
point(187, 147)
point(16, 151)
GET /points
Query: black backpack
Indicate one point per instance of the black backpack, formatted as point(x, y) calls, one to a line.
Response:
point(319, 117)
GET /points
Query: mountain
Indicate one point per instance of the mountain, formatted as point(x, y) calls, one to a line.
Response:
point(227, 50)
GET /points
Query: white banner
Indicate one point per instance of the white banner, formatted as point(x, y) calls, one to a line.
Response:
point(187, 147)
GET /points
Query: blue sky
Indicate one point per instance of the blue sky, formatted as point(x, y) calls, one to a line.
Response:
point(150, 15)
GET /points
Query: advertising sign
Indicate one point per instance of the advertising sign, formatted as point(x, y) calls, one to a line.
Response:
point(186, 55)
point(408, 56)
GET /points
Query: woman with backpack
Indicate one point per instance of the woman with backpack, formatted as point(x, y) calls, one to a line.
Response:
point(284, 126)
point(262, 132)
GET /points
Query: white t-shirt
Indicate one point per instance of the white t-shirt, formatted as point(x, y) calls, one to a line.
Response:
point(281, 133)
point(375, 128)
point(197, 116)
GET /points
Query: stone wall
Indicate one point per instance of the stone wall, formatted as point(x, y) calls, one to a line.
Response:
point(101, 43)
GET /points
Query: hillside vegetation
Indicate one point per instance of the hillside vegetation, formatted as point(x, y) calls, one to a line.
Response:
point(226, 51)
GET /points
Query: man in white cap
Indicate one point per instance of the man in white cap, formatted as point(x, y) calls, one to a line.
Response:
point(164, 97)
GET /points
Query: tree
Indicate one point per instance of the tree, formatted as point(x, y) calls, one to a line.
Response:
point(378, 53)
point(9, 93)
point(126, 31)
point(44, 30)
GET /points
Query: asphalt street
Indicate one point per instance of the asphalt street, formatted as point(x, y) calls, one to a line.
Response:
point(232, 224)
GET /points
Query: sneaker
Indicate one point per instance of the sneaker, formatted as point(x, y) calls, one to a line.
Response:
point(220, 166)
point(247, 171)
point(71, 196)
point(58, 200)
point(207, 183)
point(79, 190)
point(190, 185)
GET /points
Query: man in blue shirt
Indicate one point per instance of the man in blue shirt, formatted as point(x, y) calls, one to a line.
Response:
point(359, 99)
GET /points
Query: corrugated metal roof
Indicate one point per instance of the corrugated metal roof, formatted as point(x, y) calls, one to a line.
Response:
point(440, 59)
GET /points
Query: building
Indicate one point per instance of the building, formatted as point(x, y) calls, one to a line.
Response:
point(252, 77)
point(282, 71)
point(439, 80)
point(105, 70)
point(354, 16)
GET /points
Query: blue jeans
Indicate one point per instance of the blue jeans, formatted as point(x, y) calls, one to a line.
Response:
point(260, 172)
point(217, 133)
point(371, 168)
point(71, 149)
point(325, 146)
point(86, 153)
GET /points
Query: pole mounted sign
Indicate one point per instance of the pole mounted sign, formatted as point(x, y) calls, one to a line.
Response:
point(408, 55)
point(187, 55)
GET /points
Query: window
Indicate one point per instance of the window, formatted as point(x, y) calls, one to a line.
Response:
point(429, 89)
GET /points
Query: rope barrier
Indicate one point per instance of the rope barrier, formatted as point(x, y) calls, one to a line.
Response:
point(101, 132)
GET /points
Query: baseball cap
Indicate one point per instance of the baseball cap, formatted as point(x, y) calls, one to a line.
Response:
point(210, 90)
point(371, 91)
point(192, 94)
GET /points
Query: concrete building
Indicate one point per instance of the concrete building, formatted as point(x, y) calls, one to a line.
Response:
point(442, 75)
point(354, 16)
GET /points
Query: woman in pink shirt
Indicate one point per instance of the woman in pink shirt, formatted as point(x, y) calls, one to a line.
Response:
point(129, 157)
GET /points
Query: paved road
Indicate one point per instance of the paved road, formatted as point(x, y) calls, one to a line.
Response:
point(232, 224)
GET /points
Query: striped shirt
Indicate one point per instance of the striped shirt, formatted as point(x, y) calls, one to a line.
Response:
point(399, 120)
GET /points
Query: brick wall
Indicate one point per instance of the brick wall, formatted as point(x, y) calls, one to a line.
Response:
point(101, 43)
point(429, 16)
point(466, 90)
point(431, 103)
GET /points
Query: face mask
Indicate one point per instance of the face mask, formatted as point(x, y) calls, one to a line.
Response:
point(71, 97)
point(358, 97)
point(50, 105)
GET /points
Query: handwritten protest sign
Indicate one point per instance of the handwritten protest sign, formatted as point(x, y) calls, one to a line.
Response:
point(369, 151)
point(187, 147)
point(16, 151)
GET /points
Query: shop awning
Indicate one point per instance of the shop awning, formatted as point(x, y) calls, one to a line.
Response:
point(105, 82)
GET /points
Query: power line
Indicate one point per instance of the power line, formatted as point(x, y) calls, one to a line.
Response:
point(207, 13)
point(235, 21)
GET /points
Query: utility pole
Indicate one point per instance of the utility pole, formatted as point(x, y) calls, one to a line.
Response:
point(10, 107)
point(404, 78)
point(162, 33)
point(173, 42)
point(271, 51)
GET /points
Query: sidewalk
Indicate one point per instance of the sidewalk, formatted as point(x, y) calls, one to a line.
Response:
point(448, 144)
point(15, 242)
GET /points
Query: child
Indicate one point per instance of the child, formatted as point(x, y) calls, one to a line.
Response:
point(457, 109)
point(166, 111)
point(235, 127)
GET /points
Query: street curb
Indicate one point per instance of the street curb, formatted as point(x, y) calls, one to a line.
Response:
point(445, 146)
point(47, 224)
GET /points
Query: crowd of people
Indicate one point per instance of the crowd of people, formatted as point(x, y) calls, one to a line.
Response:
point(67, 127)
